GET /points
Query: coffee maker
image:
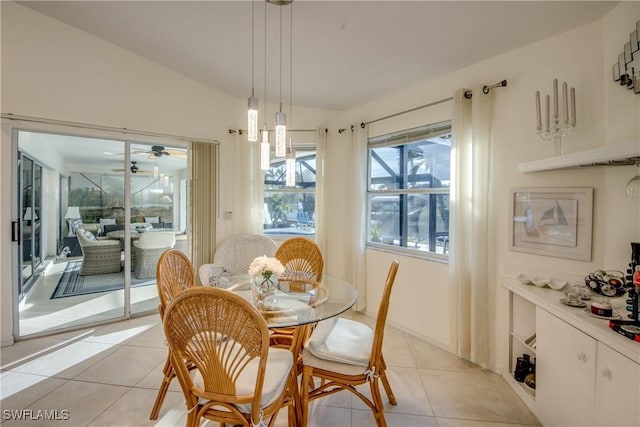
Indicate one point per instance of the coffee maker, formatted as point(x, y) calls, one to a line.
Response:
point(631, 328)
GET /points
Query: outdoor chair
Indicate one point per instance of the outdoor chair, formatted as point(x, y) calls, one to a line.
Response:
point(147, 250)
point(239, 379)
point(344, 354)
point(98, 256)
point(174, 274)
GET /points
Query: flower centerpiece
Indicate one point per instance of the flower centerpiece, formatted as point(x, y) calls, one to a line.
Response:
point(265, 271)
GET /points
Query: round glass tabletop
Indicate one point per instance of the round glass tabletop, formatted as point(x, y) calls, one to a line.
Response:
point(296, 305)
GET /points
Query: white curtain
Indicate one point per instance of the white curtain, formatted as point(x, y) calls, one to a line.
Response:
point(320, 223)
point(472, 310)
point(256, 189)
point(359, 230)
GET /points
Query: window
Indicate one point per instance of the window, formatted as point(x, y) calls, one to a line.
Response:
point(408, 190)
point(291, 210)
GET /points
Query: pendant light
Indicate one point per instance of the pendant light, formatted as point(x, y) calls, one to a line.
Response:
point(281, 117)
point(265, 161)
point(252, 126)
point(265, 149)
point(291, 166)
point(290, 162)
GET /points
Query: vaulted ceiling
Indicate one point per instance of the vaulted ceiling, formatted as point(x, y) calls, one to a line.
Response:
point(345, 53)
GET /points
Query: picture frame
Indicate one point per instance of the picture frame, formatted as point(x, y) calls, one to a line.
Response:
point(552, 221)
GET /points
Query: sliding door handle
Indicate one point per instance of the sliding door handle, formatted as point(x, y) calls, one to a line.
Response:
point(15, 231)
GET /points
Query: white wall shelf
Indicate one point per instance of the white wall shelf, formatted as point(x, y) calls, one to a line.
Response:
point(613, 155)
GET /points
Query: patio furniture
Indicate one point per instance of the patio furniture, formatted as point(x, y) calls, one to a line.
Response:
point(236, 253)
point(304, 220)
point(147, 250)
point(98, 256)
point(343, 363)
point(174, 274)
point(240, 379)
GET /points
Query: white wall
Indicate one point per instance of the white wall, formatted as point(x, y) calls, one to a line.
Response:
point(607, 114)
point(52, 70)
point(55, 71)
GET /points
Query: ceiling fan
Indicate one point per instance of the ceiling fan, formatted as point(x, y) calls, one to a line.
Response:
point(135, 169)
point(157, 151)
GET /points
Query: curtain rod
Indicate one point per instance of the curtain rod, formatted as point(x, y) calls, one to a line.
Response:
point(467, 94)
point(241, 131)
point(125, 131)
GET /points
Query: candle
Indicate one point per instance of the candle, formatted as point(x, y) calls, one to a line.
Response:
point(538, 114)
point(546, 112)
point(573, 107)
point(565, 103)
point(555, 99)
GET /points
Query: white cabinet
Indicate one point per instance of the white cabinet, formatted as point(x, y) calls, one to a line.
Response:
point(565, 372)
point(617, 397)
point(586, 374)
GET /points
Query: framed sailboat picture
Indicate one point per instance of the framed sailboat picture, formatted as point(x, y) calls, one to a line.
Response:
point(552, 221)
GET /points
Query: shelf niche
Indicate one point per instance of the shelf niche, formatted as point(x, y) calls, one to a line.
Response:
point(613, 155)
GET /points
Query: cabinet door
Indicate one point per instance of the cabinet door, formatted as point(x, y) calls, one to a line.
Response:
point(565, 372)
point(617, 389)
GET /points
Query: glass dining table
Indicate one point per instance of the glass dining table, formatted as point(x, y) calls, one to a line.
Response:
point(297, 303)
point(296, 306)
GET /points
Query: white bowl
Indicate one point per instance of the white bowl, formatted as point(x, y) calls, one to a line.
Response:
point(525, 280)
point(541, 283)
point(556, 284)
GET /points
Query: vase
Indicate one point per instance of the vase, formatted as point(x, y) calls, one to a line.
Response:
point(264, 292)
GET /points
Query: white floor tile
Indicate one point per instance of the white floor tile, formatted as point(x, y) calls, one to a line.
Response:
point(133, 408)
point(68, 360)
point(82, 402)
point(109, 376)
point(18, 390)
point(125, 366)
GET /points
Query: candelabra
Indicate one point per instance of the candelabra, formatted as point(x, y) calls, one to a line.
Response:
point(556, 129)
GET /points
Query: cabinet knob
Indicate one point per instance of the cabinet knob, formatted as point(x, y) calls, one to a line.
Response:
point(582, 356)
point(606, 372)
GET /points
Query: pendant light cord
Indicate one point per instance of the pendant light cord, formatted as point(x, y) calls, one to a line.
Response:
point(291, 66)
point(252, 43)
point(281, 59)
point(265, 66)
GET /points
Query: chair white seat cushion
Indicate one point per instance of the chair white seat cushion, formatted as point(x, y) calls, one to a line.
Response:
point(338, 342)
point(279, 364)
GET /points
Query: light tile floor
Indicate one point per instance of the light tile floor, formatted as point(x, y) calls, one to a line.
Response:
point(109, 375)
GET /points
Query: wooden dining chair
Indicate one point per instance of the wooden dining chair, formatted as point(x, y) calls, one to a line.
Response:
point(303, 262)
point(240, 379)
point(174, 274)
point(344, 354)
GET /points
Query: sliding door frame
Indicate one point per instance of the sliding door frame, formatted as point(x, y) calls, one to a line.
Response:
point(94, 133)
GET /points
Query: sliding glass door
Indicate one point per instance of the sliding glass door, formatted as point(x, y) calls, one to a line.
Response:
point(86, 204)
point(30, 191)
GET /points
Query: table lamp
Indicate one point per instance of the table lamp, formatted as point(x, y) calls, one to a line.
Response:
point(29, 215)
point(73, 213)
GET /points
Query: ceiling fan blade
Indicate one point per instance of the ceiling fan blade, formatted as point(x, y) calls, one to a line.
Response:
point(138, 172)
point(176, 152)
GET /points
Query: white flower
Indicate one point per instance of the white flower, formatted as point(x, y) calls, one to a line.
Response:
point(266, 267)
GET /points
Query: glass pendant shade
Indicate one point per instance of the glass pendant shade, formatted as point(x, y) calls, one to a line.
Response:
point(291, 167)
point(252, 126)
point(265, 161)
point(156, 172)
point(281, 134)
